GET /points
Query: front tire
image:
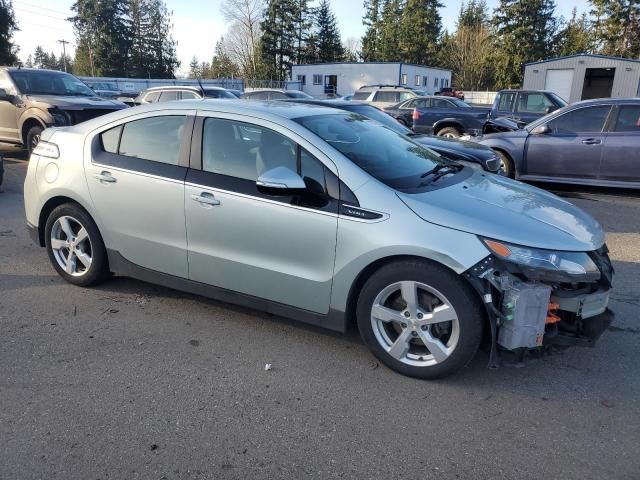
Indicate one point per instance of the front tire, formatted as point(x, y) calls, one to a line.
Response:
point(506, 169)
point(449, 132)
point(420, 319)
point(75, 247)
point(33, 137)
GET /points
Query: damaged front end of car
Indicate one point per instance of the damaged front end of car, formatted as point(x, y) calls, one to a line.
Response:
point(537, 298)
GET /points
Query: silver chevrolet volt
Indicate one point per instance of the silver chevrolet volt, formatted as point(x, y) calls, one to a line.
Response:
point(324, 216)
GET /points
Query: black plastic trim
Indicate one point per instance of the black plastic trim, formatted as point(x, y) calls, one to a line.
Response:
point(34, 233)
point(335, 320)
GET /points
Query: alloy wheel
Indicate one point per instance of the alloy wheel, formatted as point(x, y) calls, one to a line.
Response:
point(71, 246)
point(415, 323)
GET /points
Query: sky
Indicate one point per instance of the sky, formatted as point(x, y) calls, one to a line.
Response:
point(197, 24)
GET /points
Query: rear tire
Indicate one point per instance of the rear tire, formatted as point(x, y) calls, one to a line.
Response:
point(433, 334)
point(506, 168)
point(33, 137)
point(449, 132)
point(75, 247)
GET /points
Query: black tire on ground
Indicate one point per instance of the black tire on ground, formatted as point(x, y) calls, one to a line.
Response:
point(450, 132)
point(509, 169)
point(33, 137)
point(404, 122)
point(99, 270)
point(463, 298)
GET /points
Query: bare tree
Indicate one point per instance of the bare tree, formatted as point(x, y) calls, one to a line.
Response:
point(468, 52)
point(242, 41)
point(353, 49)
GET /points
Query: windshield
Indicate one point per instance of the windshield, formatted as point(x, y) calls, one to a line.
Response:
point(291, 94)
point(459, 103)
point(379, 116)
point(49, 83)
point(559, 101)
point(389, 157)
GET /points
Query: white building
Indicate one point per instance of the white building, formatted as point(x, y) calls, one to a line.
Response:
point(318, 79)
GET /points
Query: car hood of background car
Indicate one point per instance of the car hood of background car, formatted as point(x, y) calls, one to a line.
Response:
point(503, 209)
point(65, 102)
point(454, 145)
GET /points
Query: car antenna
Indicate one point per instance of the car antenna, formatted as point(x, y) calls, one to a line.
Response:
point(201, 87)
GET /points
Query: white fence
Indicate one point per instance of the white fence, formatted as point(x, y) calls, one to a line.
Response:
point(480, 98)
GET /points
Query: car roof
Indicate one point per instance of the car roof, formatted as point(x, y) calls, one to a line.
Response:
point(21, 69)
point(172, 87)
point(611, 101)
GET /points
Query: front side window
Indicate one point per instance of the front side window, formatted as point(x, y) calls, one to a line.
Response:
point(405, 95)
point(156, 138)
point(628, 119)
point(387, 156)
point(361, 95)
point(506, 102)
point(533, 103)
point(189, 95)
point(581, 120)
point(245, 151)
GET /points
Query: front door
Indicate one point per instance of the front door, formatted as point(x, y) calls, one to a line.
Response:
point(241, 238)
point(572, 147)
point(621, 156)
point(136, 173)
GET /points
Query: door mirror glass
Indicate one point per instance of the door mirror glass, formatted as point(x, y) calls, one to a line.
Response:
point(282, 180)
point(541, 130)
point(4, 96)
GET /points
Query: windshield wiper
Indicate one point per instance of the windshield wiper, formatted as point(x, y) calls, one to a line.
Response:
point(440, 171)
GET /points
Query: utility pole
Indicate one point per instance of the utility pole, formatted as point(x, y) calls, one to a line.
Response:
point(64, 52)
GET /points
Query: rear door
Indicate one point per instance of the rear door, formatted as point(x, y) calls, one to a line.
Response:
point(9, 111)
point(572, 148)
point(135, 171)
point(621, 155)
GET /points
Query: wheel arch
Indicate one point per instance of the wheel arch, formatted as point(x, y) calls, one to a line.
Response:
point(48, 207)
point(26, 126)
point(374, 266)
point(448, 122)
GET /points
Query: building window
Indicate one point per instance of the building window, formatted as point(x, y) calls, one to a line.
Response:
point(404, 79)
point(435, 82)
point(418, 80)
point(446, 82)
point(302, 79)
point(317, 79)
point(425, 81)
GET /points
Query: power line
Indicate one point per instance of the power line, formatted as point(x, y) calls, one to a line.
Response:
point(17, 2)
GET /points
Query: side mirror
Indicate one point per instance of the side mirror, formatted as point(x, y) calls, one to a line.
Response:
point(4, 96)
point(541, 130)
point(550, 108)
point(281, 180)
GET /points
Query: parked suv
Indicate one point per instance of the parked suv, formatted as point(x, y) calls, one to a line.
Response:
point(168, 93)
point(33, 99)
point(384, 95)
point(525, 105)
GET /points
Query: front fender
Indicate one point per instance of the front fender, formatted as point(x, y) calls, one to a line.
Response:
point(449, 121)
point(35, 114)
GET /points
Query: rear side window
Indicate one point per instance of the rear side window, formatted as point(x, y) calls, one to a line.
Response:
point(188, 95)
point(168, 96)
point(582, 120)
point(533, 103)
point(506, 102)
point(628, 119)
point(110, 139)
point(391, 97)
point(361, 95)
point(156, 138)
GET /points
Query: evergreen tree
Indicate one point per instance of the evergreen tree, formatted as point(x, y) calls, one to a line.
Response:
point(278, 38)
point(303, 25)
point(524, 31)
point(29, 62)
point(140, 56)
point(389, 33)
point(8, 26)
point(574, 37)
point(617, 27)
point(39, 57)
point(194, 68)
point(330, 47)
point(162, 46)
point(420, 30)
point(372, 20)
point(222, 66)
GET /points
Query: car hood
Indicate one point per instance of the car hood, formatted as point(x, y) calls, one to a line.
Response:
point(503, 209)
point(443, 144)
point(65, 102)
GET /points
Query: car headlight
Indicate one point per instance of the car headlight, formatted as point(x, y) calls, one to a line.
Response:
point(60, 118)
point(550, 265)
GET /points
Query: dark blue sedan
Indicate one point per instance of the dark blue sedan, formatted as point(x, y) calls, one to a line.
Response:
point(594, 142)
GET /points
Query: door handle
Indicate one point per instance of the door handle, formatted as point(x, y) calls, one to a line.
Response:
point(105, 177)
point(591, 141)
point(205, 199)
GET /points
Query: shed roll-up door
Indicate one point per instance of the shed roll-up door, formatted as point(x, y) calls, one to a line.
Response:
point(560, 82)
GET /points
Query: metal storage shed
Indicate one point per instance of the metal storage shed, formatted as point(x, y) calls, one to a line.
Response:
point(585, 76)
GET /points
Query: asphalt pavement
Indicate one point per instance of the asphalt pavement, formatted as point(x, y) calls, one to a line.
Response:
point(134, 381)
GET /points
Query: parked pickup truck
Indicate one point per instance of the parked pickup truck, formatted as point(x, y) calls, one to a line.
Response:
point(444, 117)
point(525, 105)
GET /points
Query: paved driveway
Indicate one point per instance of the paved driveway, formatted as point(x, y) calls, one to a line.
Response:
point(132, 381)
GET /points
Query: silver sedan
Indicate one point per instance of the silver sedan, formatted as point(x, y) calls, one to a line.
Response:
point(324, 216)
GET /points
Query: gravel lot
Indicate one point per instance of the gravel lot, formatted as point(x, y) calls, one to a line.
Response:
point(131, 381)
